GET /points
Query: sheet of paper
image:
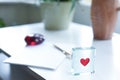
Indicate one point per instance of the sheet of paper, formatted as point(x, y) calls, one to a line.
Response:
point(42, 56)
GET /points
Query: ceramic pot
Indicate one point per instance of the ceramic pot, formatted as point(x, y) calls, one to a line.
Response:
point(104, 15)
point(57, 16)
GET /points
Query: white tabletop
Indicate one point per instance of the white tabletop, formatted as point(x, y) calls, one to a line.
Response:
point(107, 66)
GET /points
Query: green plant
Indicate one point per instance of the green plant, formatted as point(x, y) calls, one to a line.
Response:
point(73, 2)
point(2, 23)
point(58, 0)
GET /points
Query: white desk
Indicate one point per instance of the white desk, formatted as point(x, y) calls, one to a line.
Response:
point(107, 65)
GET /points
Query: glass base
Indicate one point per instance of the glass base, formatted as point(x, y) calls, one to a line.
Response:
point(79, 73)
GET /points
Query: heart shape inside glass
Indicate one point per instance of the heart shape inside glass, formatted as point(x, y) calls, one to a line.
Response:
point(84, 62)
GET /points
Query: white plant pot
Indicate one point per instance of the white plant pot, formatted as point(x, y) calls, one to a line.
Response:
point(57, 16)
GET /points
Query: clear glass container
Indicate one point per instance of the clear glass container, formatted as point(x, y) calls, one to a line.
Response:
point(83, 60)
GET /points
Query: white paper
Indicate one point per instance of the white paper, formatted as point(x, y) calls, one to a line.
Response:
point(42, 56)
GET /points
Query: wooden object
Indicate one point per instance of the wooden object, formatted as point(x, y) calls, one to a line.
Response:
point(104, 16)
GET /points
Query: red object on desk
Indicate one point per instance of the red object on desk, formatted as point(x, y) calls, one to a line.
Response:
point(34, 40)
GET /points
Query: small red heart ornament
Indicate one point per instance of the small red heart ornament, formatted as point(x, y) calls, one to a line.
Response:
point(84, 62)
point(33, 40)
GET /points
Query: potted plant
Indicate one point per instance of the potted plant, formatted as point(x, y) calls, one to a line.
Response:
point(58, 13)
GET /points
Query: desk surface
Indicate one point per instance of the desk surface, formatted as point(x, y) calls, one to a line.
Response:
point(107, 66)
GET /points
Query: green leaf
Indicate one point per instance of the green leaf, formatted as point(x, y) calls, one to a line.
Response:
point(73, 5)
point(2, 23)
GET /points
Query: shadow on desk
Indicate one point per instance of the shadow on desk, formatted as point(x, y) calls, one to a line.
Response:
point(14, 72)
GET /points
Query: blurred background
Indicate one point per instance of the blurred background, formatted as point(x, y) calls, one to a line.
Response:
point(17, 12)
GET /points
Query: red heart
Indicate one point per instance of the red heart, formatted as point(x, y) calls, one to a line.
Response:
point(84, 62)
point(34, 39)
